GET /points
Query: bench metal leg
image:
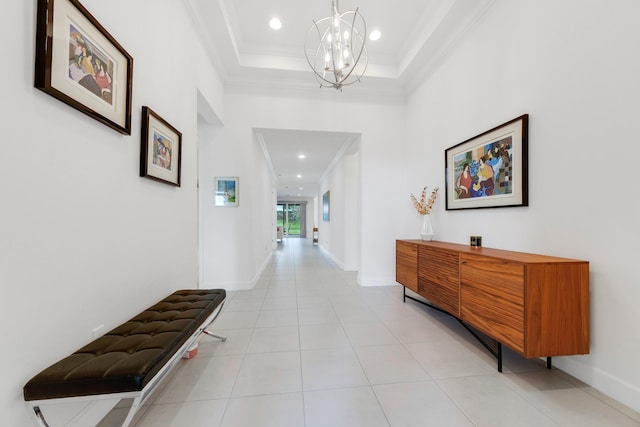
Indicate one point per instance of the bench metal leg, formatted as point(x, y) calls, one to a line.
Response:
point(205, 331)
point(39, 417)
point(75, 412)
point(223, 339)
point(132, 411)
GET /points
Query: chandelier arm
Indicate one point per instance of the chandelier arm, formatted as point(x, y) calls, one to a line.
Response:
point(317, 75)
point(333, 57)
point(362, 48)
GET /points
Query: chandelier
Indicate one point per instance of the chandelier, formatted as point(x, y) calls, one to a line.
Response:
point(334, 47)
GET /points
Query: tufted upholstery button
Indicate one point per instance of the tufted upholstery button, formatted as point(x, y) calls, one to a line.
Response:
point(129, 356)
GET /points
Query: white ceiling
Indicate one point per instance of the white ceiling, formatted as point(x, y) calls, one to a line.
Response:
point(247, 53)
point(299, 177)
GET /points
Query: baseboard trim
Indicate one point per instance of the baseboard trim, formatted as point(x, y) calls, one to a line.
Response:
point(384, 281)
point(245, 285)
point(613, 387)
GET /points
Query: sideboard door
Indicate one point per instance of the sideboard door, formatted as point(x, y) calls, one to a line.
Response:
point(407, 264)
point(492, 298)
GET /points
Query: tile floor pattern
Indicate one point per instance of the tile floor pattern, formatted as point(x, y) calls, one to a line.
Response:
point(309, 347)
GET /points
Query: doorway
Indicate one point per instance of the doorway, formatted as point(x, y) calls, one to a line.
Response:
point(291, 217)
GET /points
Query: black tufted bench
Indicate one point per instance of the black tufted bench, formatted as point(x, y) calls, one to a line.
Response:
point(126, 362)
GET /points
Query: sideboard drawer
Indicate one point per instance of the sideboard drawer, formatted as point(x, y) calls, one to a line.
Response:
point(438, 278)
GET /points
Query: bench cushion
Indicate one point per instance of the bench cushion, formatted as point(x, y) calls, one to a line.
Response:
point(126, 358)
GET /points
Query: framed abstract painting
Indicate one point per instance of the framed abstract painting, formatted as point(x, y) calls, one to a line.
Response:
point(81, 64)
point(489, 170)
point(161, 149)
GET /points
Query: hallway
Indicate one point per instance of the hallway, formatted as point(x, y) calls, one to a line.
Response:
point(310, 347)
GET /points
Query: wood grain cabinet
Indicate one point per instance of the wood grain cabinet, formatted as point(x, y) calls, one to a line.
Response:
point(438, 277)
point(536, 305)
point(407, 264)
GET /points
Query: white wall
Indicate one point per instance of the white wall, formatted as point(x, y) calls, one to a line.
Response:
point(569, 65)
point(339, 237)
point(383, 193)
point(381, 126)
point(84, 240)
point(263, 212)
point(311, 215)
point(236, 241)
point(332, 232)
point(352, 232)
point(231, 150)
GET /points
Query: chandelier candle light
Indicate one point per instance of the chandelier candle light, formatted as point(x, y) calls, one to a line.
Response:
point(424, 206)
point(334, 56)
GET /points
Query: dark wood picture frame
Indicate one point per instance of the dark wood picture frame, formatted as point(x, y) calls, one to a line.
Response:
point(79, 63)
point(161, 149)
point(489, 170)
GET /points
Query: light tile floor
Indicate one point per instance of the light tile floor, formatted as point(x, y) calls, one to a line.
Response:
point(309, 347)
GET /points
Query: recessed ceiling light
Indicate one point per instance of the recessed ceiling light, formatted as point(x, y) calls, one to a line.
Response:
point(275, 24)
point(374, 35)
point(300, 188)
point(298, 176)
point(302, 156)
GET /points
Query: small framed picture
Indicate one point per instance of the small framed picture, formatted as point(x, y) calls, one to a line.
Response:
point(81, 64)
point(489, 170)
point(161, 149)
point(226, 191)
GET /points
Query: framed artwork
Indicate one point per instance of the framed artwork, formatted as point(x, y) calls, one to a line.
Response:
point(489, 170)
point(325, 206)
point(226, 191)
point(161, 149)
point(82, 65)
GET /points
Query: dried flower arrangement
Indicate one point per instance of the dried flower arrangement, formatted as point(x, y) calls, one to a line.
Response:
point(424, 206)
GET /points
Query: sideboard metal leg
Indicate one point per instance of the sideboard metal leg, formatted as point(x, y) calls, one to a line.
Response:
point(404, 294)
point(549, 362)
point(496, 353)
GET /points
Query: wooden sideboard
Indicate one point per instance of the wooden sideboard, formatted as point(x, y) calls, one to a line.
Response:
point(536, 305)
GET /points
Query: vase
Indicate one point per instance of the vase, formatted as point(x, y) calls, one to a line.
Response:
point(427, 230)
